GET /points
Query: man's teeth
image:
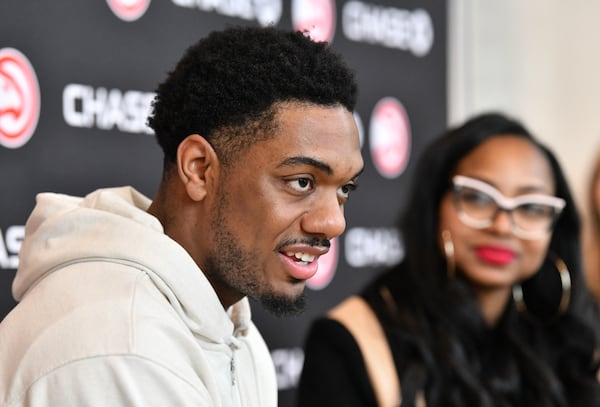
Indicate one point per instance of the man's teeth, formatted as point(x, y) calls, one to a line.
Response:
point(305, 257)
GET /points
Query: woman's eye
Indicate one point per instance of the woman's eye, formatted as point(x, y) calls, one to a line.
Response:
point(537, 210)
point(476, 197)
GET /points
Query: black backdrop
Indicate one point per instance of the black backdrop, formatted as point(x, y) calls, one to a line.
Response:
point(77, 77)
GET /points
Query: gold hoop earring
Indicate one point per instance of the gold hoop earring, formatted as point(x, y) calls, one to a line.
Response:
point(565, 282)
point(448, 246)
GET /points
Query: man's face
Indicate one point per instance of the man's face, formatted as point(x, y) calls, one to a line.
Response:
point(279, 204)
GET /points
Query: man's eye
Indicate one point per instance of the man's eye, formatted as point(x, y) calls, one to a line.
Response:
point(302, 184)
point(346, 190)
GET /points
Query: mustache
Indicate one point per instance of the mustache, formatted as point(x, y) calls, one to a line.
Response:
point(313, 241)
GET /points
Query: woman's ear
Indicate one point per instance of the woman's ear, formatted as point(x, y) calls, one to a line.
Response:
point(197, 166)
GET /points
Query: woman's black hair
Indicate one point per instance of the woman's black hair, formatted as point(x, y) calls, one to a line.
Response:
point(441, 343)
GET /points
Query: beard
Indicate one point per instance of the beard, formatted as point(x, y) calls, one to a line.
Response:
point(281, 306)
point(239, 270)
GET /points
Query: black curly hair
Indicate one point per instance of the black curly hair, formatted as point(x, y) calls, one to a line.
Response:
point(227, 86)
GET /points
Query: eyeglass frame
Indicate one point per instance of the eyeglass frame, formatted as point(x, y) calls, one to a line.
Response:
point(506, 204)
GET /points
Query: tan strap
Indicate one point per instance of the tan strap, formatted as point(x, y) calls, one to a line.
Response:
point(360, 320)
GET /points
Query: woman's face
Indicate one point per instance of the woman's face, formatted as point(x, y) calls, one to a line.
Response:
point(494, 257)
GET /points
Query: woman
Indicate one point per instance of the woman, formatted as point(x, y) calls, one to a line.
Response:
point(489, 306)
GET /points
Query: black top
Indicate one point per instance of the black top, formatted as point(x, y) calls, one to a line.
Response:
point(520, 361)
point(334, 372)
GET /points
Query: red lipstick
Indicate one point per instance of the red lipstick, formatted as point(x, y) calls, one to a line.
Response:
point(495, 255)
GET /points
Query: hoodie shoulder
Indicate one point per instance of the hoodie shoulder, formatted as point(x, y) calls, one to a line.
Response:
point(63, 229)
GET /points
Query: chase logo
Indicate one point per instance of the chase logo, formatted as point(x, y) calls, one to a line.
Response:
point(317, 17)
point(389, 27)
point(19, 99)
point(10, 246)
point(128, 10)
point(265, 12)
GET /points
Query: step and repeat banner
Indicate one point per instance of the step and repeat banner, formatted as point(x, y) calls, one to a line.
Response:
point(77, 79)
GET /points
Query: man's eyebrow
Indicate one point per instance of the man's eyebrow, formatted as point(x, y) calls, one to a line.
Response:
point(303, 160)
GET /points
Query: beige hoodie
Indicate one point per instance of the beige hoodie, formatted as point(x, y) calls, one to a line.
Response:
point(113, 312)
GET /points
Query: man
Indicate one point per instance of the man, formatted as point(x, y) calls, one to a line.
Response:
point(127, 302)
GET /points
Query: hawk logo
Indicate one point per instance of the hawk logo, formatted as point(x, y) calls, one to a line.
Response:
point(19, 99)
point(317, 17)
point(390, 137)
point(128, 10)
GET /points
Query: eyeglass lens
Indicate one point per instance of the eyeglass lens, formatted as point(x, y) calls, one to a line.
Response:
point(481, 209)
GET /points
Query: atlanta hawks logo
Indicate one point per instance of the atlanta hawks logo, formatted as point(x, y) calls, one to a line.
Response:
point(19, 99)
point(317, 17)
point(327, 268)
point(128, 10)
point(390, 137)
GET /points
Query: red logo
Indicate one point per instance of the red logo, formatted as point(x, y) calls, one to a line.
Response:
point(315, 16)
point(390, 137)
point(19, 99)
point(326, 270)
point(128, 10)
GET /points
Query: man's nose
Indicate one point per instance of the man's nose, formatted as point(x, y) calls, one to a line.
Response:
point(326, 218)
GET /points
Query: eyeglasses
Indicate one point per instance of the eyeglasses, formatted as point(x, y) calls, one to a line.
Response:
point(478, 204)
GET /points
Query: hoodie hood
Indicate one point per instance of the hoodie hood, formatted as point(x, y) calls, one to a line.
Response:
point(112, 225)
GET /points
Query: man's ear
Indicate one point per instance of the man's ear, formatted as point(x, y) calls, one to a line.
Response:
point(197, 166)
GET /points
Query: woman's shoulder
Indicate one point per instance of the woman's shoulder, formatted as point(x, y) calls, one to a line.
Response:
point(355, 313)
point(357, 316)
